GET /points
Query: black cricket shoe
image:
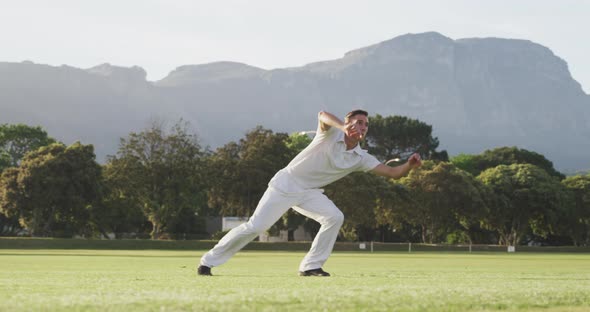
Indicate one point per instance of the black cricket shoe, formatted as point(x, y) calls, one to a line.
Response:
point(204, 270)
point(314, 272)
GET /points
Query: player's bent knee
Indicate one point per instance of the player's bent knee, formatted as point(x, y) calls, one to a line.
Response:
point(337, 218)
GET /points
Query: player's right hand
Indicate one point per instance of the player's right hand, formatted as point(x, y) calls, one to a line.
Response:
point(351, 130)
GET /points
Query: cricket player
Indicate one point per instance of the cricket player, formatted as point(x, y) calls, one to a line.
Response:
point(333, 153)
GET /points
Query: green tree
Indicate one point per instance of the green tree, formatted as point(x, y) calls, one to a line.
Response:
point(15, 141)
point(5, 160)
point(298, 141)
point(163, 174)
point(240, 172)
point(356, 196)
point(468, 163)
point(576, 222)
point(371, 204)
point(11, 199)
point(54, 191)
point(399, 137)
point(122, 211)
point(444, 199)
point(8, 225)
point(18, 139)
point(475, 164)
point(394, 202)
point(528, 199)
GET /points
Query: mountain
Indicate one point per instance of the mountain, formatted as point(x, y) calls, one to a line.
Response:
point(477, 93)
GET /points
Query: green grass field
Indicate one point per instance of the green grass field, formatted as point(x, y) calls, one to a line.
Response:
point(157, 280)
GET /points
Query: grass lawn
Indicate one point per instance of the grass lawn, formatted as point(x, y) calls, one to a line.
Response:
point(158, 280)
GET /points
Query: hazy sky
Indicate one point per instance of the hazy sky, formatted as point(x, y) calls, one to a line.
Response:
point(161, 35)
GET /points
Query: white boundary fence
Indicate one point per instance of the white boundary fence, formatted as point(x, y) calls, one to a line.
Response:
point(416, 247)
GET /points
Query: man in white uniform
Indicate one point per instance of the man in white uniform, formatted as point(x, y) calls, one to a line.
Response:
point(333, 154)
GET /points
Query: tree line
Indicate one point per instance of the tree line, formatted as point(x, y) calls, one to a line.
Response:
point(164, 183)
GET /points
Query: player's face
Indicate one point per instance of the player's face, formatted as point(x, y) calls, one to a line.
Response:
point(361, 124)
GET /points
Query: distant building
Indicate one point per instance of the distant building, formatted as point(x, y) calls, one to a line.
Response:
point(227, 223)
point(298, 235)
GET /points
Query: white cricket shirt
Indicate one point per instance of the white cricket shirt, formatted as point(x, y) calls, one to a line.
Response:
point(322, 162)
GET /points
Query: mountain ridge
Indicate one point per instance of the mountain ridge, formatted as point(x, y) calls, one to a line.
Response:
point(477, 93)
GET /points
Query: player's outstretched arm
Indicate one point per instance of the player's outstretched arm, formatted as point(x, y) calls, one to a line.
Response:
point(399, 171)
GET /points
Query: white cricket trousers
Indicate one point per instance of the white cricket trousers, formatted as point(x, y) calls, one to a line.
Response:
point(273, 204)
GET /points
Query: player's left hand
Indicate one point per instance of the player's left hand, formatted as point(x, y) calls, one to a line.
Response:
point(415, 161)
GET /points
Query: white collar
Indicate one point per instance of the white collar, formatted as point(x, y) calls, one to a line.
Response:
point(357, 149)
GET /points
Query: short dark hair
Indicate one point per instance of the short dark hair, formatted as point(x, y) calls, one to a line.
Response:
point(354, 113)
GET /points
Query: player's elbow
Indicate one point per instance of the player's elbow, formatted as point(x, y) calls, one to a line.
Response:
point(322, 117)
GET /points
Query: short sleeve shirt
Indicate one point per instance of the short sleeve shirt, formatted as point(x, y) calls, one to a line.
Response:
point(322, 162)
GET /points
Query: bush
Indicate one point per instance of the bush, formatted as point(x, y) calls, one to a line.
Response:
point(458, 237)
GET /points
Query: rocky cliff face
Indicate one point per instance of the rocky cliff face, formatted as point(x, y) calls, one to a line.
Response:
point(477, 94)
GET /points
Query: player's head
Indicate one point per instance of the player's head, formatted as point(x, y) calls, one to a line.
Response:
point(359, 119)
point(353, 113)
